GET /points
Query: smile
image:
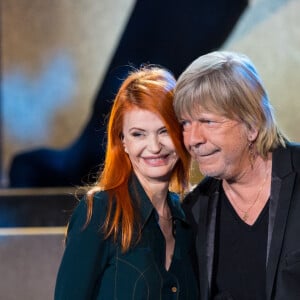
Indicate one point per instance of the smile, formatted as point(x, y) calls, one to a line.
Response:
point(157, 161)
point(198, 154)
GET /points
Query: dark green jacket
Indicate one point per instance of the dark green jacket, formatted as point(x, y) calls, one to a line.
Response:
point(95, 268)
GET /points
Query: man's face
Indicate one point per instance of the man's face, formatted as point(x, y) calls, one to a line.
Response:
point(218, 144)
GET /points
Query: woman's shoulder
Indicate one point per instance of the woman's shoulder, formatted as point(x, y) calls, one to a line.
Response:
point(99, 199)
point(99, 203)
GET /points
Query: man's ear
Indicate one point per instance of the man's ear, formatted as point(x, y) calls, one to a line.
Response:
point(252, 134)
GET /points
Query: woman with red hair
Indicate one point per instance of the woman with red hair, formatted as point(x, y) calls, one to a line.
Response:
point(127, 238)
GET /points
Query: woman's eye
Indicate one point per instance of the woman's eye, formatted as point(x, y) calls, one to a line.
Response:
point(137, 134)
point(163, 131)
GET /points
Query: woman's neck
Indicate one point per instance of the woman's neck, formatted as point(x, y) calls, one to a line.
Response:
point(157, 193)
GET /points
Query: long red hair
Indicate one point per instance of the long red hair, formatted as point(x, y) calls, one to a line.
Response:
point(150, 88)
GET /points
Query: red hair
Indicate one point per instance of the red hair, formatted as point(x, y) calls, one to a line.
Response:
point(150, 88)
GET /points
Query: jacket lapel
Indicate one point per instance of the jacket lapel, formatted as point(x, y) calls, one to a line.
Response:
point(282, 187)
point(204, 212)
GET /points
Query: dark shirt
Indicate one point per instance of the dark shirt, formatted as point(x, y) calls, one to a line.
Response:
point(240, 255)
point(95, 268)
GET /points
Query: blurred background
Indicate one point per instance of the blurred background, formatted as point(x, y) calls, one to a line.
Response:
point(61, 63)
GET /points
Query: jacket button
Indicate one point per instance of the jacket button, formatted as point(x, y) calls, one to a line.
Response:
point(174, 289)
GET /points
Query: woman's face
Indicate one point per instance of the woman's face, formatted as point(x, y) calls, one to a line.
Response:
point(218, 144)
point(149, 145)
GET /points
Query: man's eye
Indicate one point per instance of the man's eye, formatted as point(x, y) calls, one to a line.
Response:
point(207, 121)
point(185, 124)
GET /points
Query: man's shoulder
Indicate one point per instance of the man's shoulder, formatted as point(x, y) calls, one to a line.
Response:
point(204, 188)
point(291, 152)
point(295, 150)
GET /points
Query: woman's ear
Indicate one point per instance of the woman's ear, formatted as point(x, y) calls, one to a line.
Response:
point(123, 142)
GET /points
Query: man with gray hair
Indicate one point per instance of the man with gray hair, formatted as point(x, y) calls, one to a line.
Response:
point(245, 212)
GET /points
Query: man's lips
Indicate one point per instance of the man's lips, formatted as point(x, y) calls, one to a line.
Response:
point(204, 153)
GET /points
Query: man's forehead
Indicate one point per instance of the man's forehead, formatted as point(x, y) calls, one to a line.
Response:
point(198, 110)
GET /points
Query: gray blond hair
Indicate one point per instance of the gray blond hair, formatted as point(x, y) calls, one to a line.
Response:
point(228, 84)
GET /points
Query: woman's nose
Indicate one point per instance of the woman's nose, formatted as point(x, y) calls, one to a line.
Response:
point(154, 144)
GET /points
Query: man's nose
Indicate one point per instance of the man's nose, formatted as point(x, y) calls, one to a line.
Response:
point(195, 136)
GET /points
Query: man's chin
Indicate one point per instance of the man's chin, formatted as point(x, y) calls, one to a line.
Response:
point(209, 173)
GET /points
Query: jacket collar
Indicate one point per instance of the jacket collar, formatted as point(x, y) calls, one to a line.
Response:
point(144, 204)
point(204, 208)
